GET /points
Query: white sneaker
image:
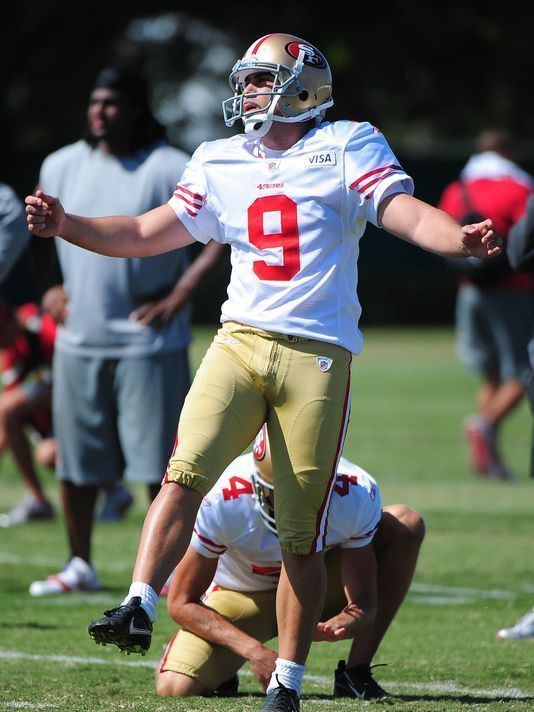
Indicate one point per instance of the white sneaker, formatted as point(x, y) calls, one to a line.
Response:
point(77, 575)
point(524, 628)
point(28, 509)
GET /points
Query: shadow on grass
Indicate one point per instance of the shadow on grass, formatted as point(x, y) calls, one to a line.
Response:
point(395, 699)
point(32, 625)
point(463, 698)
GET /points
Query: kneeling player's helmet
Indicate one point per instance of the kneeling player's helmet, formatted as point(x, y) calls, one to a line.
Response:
point(302, 86)
point(262, 478)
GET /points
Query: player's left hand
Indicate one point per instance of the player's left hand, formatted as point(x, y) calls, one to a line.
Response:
point(341, 626)
point(480, 240)
point(329, 633)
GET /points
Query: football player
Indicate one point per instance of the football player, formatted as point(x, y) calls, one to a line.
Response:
point(224, 589)
point(291, 196)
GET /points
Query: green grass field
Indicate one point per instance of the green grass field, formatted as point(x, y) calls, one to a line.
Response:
point(475, 573)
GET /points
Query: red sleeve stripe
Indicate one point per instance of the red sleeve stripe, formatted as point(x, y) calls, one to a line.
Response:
point(190, 212)
point(354, 185)
point(188, 201)
point(189, 207)
point(364, 536)
point(266, 570)
point(190, 194)
point(213, 551)
point(214, 544)
point(377, 180)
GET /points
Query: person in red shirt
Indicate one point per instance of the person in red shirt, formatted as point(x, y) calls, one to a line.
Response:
point(494, 310)
point(26, 347)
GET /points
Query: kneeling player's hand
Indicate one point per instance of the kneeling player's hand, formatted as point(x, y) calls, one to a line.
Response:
point(341, 626)
point(329, 632)
point(262, 663)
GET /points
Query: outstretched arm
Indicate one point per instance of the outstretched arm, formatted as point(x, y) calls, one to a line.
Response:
point(152, 233)
point(435, 230)
point(192, 577)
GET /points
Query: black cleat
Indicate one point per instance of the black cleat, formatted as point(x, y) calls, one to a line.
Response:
point(228, 688)
point(357, 682)
point(128, 627)
point(281, 699)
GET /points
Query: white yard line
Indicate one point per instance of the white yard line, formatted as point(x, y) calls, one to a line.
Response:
point(76, 660)
point(22, 705)
point(446, 687)
point(56, 564)
point(460, 591)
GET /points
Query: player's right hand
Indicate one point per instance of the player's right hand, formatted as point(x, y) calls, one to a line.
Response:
point(45, 214)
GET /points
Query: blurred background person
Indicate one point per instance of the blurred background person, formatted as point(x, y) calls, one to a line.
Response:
point(27, 344)
point(14, 234)
point(520, 251)
point(494, 302)
point(121, 362)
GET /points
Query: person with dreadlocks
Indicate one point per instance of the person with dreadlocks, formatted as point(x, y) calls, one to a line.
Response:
point(120, 365)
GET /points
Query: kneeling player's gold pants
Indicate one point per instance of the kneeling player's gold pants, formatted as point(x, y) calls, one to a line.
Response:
point(253, 612)
point(301, 389)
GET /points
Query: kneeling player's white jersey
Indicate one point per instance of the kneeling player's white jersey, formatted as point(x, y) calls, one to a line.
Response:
point(293, 219)
point(229, 524)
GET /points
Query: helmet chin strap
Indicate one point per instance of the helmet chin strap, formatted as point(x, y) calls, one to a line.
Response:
point(258, 125)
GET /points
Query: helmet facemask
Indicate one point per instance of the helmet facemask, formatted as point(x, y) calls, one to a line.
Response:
point(297, 96)
point(264, 496)
point(262, 479)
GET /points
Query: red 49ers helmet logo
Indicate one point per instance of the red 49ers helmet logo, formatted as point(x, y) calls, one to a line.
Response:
point(312, 56)
point(259, 446)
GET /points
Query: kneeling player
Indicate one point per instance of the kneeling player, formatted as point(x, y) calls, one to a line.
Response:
point(223, 593)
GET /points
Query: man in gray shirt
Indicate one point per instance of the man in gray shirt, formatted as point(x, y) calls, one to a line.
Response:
point(120, 367)
point(14, 234)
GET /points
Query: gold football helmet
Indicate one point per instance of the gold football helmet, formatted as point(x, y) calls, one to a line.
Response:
point(262, 478)
point(302, 86)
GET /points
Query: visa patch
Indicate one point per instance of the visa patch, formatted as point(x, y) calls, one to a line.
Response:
point(322, 159)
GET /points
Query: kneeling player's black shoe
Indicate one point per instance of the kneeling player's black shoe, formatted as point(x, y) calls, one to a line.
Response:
point(357, 682)
point(228, 688)
point(128, 627)
point(281, 699)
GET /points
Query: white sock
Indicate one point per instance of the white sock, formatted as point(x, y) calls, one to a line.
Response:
point(149, 598)
point(287, 673)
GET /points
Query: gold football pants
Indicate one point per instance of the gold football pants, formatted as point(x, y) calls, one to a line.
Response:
point(301, 389)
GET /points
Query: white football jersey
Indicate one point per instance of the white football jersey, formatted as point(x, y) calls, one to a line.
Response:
point(293, 220)
point(229, 525)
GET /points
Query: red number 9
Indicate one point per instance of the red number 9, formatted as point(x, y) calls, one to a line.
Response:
point(287, 238)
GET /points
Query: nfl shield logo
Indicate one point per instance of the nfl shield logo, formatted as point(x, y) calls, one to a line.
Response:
point(273, 164)
point(323, 363)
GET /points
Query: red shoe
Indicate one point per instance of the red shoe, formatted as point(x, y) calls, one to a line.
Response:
point(479, 435)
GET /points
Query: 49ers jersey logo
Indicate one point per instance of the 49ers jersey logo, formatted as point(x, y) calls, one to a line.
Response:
point(312, 56)
point(260, 446)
